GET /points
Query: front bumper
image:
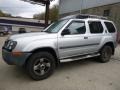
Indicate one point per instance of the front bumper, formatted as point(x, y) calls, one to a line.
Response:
point(11, 59)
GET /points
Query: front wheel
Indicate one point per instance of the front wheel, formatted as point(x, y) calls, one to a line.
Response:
point(105, 54)
point(41, 65)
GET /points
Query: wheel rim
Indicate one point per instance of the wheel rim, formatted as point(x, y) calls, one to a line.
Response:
point(41, 66)
point(106, 54)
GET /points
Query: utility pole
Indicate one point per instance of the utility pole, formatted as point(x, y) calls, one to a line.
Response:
point(47, 13)
point(81, 6)
point(45, 3)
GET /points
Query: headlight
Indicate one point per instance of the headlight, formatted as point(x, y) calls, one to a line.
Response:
point(10, 45)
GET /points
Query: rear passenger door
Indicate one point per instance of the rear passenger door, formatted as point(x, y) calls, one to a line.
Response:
point(96, 32)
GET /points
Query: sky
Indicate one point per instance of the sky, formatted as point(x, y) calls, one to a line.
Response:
point(21, 8)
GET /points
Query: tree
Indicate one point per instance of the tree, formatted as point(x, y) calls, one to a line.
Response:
point(40, 16)
point(53, 15)
point(2, 14)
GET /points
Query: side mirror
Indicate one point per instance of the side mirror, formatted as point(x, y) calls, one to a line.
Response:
point(65, 32)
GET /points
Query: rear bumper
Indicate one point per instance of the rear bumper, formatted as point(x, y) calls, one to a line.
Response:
point(10, 59)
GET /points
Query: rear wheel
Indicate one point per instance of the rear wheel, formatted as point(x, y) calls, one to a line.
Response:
point(105, 54)
point(41, 65)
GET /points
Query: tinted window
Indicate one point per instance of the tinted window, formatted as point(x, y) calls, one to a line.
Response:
point(110, 27)
point(77, 27)
point(96, 27)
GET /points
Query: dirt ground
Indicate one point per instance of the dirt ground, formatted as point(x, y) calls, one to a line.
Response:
point(79, 75)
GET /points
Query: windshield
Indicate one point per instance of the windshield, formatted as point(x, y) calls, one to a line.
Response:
point(56, 26)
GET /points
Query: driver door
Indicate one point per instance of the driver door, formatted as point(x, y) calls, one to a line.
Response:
point(72, 43)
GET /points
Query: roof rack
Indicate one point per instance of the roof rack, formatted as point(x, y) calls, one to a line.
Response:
point(84, 16)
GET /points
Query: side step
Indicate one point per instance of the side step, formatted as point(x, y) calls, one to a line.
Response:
point(79, 58)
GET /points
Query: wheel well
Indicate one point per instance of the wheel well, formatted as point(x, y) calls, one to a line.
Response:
point(111, 45)
point(47, 49)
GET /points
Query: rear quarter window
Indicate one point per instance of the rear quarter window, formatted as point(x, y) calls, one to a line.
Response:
point(110, 27)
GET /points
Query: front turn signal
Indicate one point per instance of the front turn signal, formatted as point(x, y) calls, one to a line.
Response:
point(17, 53)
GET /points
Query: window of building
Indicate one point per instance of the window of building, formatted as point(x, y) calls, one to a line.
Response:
point(77, 27)
point(95, 27)
point(110, 27)
point(106, 12)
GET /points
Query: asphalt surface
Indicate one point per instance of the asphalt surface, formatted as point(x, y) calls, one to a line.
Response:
point(79, 75)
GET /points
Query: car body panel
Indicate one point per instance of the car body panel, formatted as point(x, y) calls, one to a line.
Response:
point(64, 46)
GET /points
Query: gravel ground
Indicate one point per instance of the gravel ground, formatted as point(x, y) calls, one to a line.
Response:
point(79, 75)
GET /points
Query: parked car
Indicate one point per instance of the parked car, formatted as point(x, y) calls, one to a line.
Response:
point(22, 30)
point(3, 31)
point(71, 38)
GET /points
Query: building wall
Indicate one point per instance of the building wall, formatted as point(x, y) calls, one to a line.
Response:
point(69, 13)
point(114, 14)
point(67, 6)
point(14, 24)
point(28, 29)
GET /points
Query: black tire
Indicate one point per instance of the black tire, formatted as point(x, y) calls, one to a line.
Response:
point(105, 54)
point(39, 63)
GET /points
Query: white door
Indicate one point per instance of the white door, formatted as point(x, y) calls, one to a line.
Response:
point(72, 43)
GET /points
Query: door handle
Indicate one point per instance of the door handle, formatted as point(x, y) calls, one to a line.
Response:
point(85, 37)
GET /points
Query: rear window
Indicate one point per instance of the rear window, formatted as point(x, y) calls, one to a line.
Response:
point(110, 27)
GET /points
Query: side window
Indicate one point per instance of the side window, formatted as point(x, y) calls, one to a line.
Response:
point(110, 27)
point(77, 27)
point(95, 27)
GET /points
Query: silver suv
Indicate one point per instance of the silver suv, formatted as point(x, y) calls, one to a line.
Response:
point(71, 38)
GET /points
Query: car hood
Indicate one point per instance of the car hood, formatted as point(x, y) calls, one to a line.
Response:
point(33, 36)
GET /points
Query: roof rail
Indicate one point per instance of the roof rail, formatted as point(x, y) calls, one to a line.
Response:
point(84, 16)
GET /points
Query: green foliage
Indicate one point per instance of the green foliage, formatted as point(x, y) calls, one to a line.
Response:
point(53, 14)
point(2, 14)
